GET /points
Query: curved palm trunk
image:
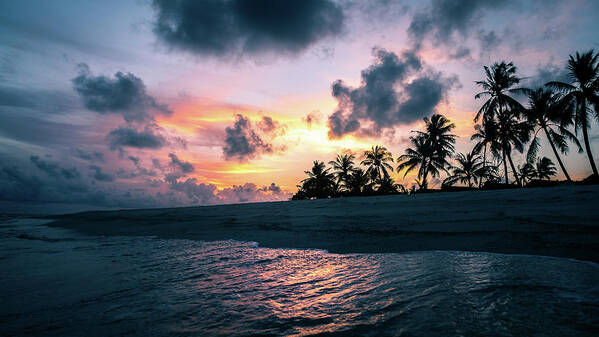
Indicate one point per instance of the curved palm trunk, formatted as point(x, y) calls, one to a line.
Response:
point(480, 182)
point(587, 145)
point(509, 157)
point(507, 181)
point(559, 160)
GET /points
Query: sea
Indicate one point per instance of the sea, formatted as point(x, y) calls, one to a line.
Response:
point(57, 282)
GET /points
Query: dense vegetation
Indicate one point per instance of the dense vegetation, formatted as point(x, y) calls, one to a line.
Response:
point(557, 111)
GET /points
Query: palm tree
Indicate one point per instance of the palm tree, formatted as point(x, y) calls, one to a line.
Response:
point(527, 172)
point(546, 112)
point(377, 160)
point(584, 92)
point(498, 85)
point(358, 182)
point(320, 183)
point(342, 167)
point(468, 169)
point(512, 133)
point(387, 185)
point(545, 168)
point(486, 137)
point(431, 149)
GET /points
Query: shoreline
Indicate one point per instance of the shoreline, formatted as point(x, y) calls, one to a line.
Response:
point(552, 221)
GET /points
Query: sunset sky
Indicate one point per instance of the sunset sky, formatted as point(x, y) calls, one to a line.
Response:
point(120, 104)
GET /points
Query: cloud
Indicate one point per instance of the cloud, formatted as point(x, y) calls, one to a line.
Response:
point(185, 167)
point(53, 169)
point(238, 27)
point(147, 138)
point(123, 94)
point(547, 73)
point(394, 91)
point(245, 140)
point(94, 156)
point(50, 101)
point(99, 175)
point(314, 117)
point(251, 193)
point(445, 20)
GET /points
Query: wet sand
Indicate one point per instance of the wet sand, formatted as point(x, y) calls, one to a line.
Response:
point(553, 221)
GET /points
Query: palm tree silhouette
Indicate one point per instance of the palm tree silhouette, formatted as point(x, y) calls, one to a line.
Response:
point(342, 167)
point(545, 168)
point(319, 183)
point(469, 169)
point(512, 133)
point(358, 182)
point(498, 85)
point(387, 185)
point(527, 172)
point(430, 149)
point(377, 160)
point(486, 137)
point(546, 112)
point(584, 92)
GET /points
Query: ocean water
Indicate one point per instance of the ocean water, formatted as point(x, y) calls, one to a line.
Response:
point(55, 282)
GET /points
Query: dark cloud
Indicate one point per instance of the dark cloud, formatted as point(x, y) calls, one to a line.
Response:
point(53, 169)
point(185, 167)
point(99, 175)
point(444, 20)
point(138, 171)
point(17, 185)
point(124, 94)
point(147, 138)
point(245, 140)
point(547, 73)
point(394, 91)
point(93, 156)
point(238, 27)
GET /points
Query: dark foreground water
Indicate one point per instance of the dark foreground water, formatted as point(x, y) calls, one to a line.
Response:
point(54, 282)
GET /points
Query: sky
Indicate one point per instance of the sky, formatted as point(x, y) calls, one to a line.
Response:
point(134, 104)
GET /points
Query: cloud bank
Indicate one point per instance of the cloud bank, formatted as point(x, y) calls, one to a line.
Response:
point(238, 27)
point(395, 90)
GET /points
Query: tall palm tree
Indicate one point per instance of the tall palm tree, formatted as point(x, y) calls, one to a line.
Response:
point(320, 182)
point(545, 168)
point(418, 156)
point(431, 149)
point(583, 90)
point(468, 169)
point(342, 167)
point(498, 85)
point(546, 112)
point(486, 136)
point(377, 160)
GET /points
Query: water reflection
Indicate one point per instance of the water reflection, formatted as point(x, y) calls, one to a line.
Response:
point(149, 286)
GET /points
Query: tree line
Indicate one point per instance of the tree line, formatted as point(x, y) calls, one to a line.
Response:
point(557, 111)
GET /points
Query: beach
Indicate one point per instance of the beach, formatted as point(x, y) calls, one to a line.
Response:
point(551, 221)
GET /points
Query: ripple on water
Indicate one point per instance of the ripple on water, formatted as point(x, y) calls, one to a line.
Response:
point(69, 284)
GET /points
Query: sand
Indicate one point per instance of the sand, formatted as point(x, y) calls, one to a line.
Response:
point(554, 221)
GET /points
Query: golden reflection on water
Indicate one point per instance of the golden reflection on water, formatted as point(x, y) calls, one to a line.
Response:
point(321, 286)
